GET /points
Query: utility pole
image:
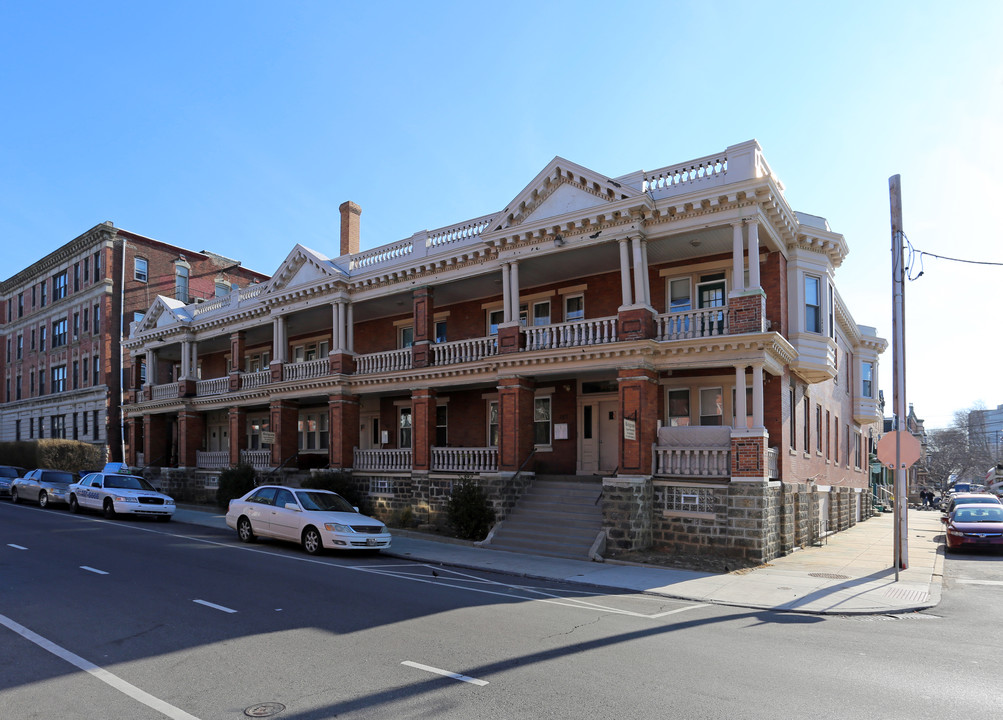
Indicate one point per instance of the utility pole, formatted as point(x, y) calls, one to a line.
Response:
point(898, 375)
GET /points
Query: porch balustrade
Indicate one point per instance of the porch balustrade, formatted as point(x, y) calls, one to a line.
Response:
point(140, 396)
point(215, 386)
point(386, 460)
point(251, 380)
point(382, 362)
point(462, 351)
point(773, 462)
point(597, 331)
point(471, 460)
point(703, 323)
point(305, 370)
point(164, 392)
point(212, 459)
point(693, 452)
point(258, 459)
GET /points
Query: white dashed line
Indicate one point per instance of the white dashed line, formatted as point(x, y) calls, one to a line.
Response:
point(214, 606)
point(16, 547)
point(100, 673)
point(979, 582)
point(93, 570)
point(445, 673)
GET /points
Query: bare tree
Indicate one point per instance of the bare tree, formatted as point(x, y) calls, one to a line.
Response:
point(959, 450)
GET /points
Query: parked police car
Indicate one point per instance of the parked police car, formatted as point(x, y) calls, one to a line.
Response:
point(117, 493)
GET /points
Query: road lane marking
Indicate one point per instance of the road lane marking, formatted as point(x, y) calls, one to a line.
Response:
point(100, 673)
point(16, 547)
point(214, 606)
point(979, 582)
point(446, 673)
point(93, 570)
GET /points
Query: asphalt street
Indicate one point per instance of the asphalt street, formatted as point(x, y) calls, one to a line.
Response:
point(135, 619)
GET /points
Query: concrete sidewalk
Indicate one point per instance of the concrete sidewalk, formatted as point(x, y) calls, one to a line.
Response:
point(852, 572)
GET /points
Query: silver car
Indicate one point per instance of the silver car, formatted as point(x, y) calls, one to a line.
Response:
point(9, 473)
point(42, 486)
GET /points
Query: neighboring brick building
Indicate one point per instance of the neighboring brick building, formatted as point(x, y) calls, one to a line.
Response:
point(676, 333)
point(61, 320)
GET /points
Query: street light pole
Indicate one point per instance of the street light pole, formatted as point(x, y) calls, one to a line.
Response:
point(898, 375)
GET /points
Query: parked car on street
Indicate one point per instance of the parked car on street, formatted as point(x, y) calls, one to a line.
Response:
point(46, 487)
point(317, 519)
point(974, 525)
point(115, 494)
point(968, 499)
point(7, 475)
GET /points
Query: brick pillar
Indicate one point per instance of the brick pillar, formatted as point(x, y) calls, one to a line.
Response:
point(238, 433)
point(423, 428)
point(131, 437)
point(638, 391)
point(191, 436)
point(236, 365)
point(635, 323)
point(747, 312)
point(282, 418)
point(510, 338)
point(748, 455)
point(155, 439)
point(343, 426)
point(515, 408)
point(424, 327)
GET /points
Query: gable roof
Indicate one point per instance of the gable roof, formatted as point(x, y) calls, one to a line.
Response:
point(303, 266)
point(163, 311)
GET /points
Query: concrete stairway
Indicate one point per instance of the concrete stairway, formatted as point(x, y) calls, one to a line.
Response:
point(558, 516)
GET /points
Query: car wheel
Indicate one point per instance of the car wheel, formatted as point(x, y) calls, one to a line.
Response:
point(109, 509)
point(244, 530)
point(74, 505)
point(312, 542)
point(43, 499)
point(13, 496)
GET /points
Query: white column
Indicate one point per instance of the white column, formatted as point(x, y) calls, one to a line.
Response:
point(737, 259)
point(506, 295)
point(644, 272)
point(151, 367)
point(757, 396)
point(514, 293)
point(625, 272)
point(741, 411)
point(753, 229)
point(186, 360)
point(279, 339)
point(639, 283)
point(350, 329)
point(193, 360)
point(340, 306)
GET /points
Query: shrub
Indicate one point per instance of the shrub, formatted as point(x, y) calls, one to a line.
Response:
point(340, 483)
point(234, 482)
point(468, 511)
point(54, 454)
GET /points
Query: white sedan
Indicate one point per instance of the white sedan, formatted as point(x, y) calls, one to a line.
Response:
point(115, 494)
point(317, 519)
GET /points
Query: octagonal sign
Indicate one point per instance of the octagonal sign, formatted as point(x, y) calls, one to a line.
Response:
point(909, 451)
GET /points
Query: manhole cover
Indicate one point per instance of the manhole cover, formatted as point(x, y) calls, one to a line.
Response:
point(264, 709)
point(830, 576)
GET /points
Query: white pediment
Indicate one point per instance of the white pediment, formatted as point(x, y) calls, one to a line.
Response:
point(163, 312)
point(566, 198)
point(303, 266)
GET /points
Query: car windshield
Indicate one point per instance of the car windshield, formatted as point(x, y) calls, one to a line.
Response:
point(60, 478)
point(979, 514)
point(323, 501)
point(8, 472)
point(126, 482)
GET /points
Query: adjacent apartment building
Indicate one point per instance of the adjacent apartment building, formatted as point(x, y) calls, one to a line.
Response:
point(62, 318)
point(676, 334)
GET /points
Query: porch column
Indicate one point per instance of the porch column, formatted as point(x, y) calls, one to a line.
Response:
point(191, 437)
point(283, 416)
point(151, 368)
point(278, 347)
point(237, 418)
point(514, 292)
point(757, 396)
point(186, 383)
point(155, 439)
point(741, 411)
point(237, 344)
point(350, 330)
point(337, 326)
point(515, 410)
point(343, 427)
point(340, 358)
point(638, 396)
point(421, 350)
point(506, 294)
point(626, 297)
point(737, 257)
point(753, 230)
point(510, 336)
point(423, 428)
point(640, 279)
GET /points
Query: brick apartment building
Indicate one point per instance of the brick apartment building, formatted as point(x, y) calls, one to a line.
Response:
point(61, 320)
point(675, 334)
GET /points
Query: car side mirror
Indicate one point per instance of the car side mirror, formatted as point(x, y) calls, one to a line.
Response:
point(292, 506)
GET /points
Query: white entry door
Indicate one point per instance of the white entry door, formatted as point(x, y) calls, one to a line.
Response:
point(598, 436)
point(369, 436)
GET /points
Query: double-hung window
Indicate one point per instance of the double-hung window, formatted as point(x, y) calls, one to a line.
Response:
point(141, 270)
point(58, 286)
point(574, 308)
point(711, 406)
point(812, 304)
point(58, 384)
point(493, 424)
point(59, 333)
point(441, 425)
point(679, 408)
point(867, 379)
point(181, 282)
point(404, 428)
point(541, 421)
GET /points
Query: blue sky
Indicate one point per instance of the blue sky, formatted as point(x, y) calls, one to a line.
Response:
point(239, 127)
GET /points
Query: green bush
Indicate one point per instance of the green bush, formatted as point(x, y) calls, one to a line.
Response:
point(468, 511)
point(342, 484)
point(234, 482)
point(68, 455)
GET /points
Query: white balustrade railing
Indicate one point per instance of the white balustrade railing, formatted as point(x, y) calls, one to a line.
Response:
point(598, 331)
point(258, 459)
point(251, 380)
point(140, 396)
point(712, 462)
point(393, 251)
point(684, 175)
point(215, 386)
point(702, 323)
point(461, 351)
point(465, 459)
point(459, 233)
point(383, 362)
point(773, 462)
point(212, 459)
point(305, 370)
point(382, 460)
point(164, 392)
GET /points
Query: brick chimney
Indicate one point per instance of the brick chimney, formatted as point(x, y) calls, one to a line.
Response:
point(350, 213)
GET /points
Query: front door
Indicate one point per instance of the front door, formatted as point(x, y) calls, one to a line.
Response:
point(369, 437)
point(598, 432)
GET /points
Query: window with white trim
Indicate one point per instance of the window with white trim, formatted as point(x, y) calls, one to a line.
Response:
point(541, 313)
point(440, 331)
point(541, 421)
point(679, 407)
point(493, 424)
point(140, 270)
point(867, 379)
point(574, 308)
point(441, 425)
point(181, 273)
point(404, 428)
point(405, 336)
point(812, 304)
point(311, 429)
point(680, 295)
point(711, 406)
point(256, 425)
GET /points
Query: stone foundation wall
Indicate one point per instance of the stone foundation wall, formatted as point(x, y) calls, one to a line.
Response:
point(627, 513)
